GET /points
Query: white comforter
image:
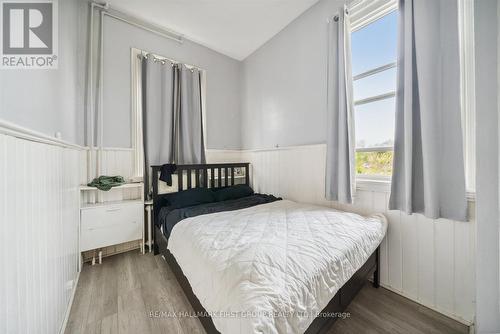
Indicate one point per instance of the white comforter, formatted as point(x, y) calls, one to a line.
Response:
point(271, 268)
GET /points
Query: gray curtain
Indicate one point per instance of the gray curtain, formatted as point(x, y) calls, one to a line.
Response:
point(428, 174)
point(340, 183)
point(158, 118)
point(158, 122)
point(190, 147)
point(171, 114)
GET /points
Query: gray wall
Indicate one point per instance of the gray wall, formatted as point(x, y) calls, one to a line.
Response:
point(284, 84)
point(51, 101)
point(487, 179)
point(223, 83)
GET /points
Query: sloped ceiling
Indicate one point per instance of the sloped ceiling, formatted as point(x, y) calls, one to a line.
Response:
point(235, 28)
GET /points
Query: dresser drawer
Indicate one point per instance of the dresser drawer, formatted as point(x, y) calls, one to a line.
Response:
point(110, 225)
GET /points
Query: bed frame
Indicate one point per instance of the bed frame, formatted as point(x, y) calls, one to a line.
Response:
point(223, 175)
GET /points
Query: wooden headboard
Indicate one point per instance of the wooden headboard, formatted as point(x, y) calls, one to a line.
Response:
point(205, 176)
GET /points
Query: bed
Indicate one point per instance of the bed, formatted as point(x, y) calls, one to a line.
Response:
point(261, 264)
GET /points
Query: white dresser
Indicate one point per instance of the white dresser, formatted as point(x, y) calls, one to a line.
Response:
point(105, 223)
point(110, 224)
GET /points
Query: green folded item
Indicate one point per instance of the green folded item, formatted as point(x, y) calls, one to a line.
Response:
point(106, 182)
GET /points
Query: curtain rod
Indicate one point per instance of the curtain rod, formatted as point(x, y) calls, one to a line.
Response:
point(163, 59)
point(136, 22)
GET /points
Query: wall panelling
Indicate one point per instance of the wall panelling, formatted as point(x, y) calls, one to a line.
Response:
point(39, 213)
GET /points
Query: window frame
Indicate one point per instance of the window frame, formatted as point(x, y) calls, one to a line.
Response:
point(363, 14)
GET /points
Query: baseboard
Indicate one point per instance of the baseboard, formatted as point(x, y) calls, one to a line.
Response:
point(447, 314)
point(70, 304)
point(112, 250)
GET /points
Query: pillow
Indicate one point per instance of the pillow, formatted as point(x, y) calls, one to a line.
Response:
point(233, 192)
point(191, 197)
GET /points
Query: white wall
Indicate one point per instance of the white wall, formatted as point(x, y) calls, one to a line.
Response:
point(222, 73)
point(51, 101)
point(487, 179)
point(39, 213)
point(284, 84)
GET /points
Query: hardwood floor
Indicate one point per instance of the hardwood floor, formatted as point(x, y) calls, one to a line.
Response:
point(382, 311)
point(119, 296)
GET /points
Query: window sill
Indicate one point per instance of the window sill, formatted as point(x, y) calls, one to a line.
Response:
point(382, 184)
point(376, 184)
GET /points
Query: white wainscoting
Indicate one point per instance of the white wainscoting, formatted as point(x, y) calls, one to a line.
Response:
point(39, 213)
point(120, 161)
point(429, 261)
point(115, 161)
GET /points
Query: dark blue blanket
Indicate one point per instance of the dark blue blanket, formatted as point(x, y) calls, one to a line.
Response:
point(168, 216)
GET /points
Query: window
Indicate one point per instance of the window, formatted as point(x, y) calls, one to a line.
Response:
point(374, 52)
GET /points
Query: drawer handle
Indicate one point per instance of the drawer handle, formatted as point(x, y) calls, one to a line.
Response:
point(108, 226)
point(113, 209)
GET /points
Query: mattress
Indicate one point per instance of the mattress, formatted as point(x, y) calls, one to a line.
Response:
point(168, 217)
point(272, 268)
